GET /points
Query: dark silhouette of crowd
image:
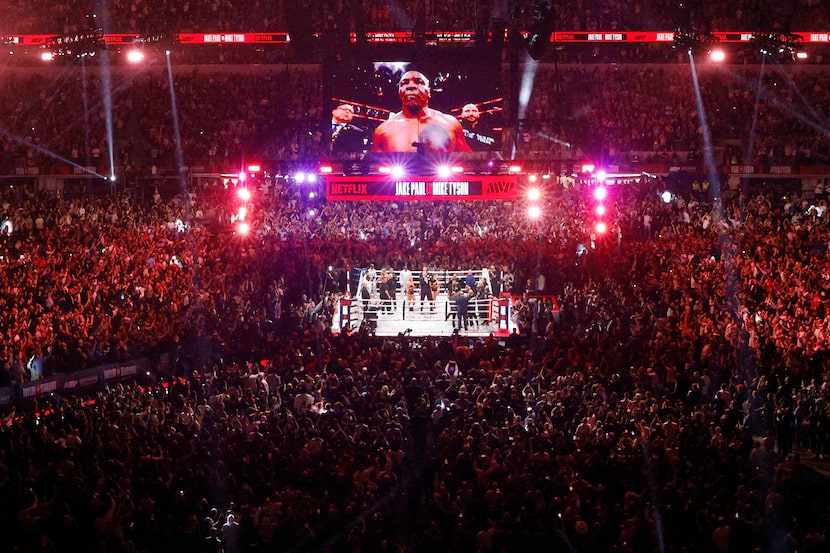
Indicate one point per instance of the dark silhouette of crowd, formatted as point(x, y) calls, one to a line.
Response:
point(68, 120)
point(349, 16)
point(628, 117)
point(669, 400)
point(666, 405)
point(625, 114)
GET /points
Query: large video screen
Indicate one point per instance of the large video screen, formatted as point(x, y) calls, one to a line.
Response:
point(450, 102)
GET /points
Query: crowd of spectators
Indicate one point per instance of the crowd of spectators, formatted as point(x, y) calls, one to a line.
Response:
point(622, 114)
point(150, 18)
point(659, 410)
point(666, 406)
point(618, 112)
point(54, 117)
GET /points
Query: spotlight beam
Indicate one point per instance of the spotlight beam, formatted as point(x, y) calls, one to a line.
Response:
point(553, 139)
point(771, 99)
point(815, 123)
point(750, 154)
point(59, 137)
point(708, 148)
point(178, 139)
point(731, 276)
point(526, 87)
point(106, 93)
point(525, 90)
point(49, 153)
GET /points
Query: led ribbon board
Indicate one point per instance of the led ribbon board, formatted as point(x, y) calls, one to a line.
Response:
point(383, 188)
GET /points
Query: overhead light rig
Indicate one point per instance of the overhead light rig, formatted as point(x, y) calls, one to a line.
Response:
point(778, 45)
point(694, 41)
point(78, 45)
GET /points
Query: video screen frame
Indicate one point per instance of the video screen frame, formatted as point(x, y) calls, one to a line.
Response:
point(362, 93)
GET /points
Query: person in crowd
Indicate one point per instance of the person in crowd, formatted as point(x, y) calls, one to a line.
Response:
point(365, 296)
point(482, 298)
point(387, 286)
point(461, 299)
point(426, 289)
point(410, 292)
point(403, 278)
point(371, 277)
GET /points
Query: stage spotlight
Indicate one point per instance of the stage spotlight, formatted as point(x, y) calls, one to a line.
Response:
point(244, 194)
point(397, 171)
point(135, 56)
point(600, 193)
point(779, 45)
point(766, 43)
point(718, 55)
point(534, 212)
point(693, 41)
point(444, 171)
point(534, 194)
